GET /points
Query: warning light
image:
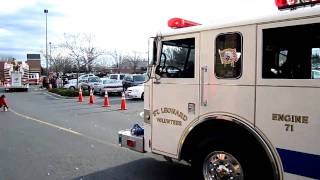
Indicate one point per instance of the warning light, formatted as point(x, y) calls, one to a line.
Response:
point(131, 143)
point(181, 23)
point(292, 4)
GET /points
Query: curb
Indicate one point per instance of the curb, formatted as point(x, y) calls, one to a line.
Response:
point(59, 96)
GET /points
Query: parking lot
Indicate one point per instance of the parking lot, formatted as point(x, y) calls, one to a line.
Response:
point(47, 137)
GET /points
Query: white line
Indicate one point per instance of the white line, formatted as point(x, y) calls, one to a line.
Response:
point(51, 96)
point(46, 123)
point(63, 129)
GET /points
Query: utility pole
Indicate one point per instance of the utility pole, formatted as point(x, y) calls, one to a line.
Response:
point(46, 12)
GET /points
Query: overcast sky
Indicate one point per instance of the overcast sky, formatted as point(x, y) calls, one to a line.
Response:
point(124, 25)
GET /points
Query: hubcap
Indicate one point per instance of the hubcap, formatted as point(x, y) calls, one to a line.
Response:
point(220, 165)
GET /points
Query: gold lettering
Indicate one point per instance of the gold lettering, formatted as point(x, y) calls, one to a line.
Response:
point(185, 118)
point(155, 112)
point(280, 117)
point(275, 117)
point(290, 118)
point(297, 119)
point(305, 119)
point(287, 118)
point(169, 121)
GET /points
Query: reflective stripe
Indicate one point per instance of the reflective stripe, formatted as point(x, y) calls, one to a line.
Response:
point(300, 163)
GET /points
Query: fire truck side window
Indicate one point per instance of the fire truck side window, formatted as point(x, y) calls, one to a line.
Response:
point(292, 52)
point(228, 55)
point(177, 59)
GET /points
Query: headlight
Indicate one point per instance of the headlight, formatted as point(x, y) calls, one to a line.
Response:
point(135, 90)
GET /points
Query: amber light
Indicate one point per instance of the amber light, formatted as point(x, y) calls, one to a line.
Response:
point(181, 23)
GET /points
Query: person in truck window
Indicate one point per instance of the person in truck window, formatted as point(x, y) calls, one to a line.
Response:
point(3, 103)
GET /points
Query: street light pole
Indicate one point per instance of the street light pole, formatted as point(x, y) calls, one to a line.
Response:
point(50, 59)
point(46, 12)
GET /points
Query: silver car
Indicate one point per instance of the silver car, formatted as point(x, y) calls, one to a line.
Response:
point(111, 85)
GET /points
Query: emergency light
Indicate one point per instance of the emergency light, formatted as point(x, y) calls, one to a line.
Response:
point(291, 4)
point(180, 23)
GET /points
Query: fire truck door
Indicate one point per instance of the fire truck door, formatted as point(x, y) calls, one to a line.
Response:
point(175, 92)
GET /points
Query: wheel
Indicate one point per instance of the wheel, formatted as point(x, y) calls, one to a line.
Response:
point(72, 88)
point(101, 92)
point(231, 158)
point(142, 96)
point(221, 165)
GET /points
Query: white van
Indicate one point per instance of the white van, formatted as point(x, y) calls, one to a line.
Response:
point(117, 76)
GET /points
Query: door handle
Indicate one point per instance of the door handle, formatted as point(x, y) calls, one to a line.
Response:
point(203, 101)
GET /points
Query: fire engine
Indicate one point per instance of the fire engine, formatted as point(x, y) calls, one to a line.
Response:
point(16, 75)
point(236, 100)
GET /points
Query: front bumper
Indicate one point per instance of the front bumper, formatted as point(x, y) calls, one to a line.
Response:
point(132, 94)
point(113, 90)
point(130, 141)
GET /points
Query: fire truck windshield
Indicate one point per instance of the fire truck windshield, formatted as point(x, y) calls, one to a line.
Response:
point(177, 59)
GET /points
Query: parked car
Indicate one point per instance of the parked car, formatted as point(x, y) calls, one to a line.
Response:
point(71, 84)
point(315, 74)
point(86, 76)
point(135, 92)
point(88, 84)
point(111, 85)
point(117, 76)
point(132, 80)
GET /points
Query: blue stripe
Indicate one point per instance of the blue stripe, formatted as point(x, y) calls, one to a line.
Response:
point(299, 163)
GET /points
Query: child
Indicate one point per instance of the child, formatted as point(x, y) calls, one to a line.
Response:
point(3, 103)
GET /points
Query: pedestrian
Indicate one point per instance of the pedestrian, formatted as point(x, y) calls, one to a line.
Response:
point(3, 103)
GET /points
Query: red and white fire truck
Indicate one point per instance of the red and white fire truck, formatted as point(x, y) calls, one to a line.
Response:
point(237, 100)
point(16, 75)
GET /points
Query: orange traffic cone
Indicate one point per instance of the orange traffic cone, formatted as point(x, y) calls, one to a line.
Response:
point(123, 102)
point(91, 97)
point(106, 102)
point(80, 95)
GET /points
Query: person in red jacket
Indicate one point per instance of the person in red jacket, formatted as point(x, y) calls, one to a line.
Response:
point(3, 103)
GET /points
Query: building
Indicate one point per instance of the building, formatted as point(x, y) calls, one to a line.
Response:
point(1, 70)
point(34, 62)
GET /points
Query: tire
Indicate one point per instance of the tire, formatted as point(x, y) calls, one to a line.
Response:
point(142, 96)
point(72, 88)
point(101, 93)
point(230, 158)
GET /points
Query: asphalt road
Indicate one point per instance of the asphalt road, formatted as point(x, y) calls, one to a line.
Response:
point(45, 137)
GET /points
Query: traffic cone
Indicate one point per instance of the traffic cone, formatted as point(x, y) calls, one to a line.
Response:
point(106, 102)
point(123, 105)
point(80, 95)
point(91, 97)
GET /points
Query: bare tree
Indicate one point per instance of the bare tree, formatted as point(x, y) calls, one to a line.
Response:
point(118, 57)
point(81, 50)
point(59, 61)
point(134, 61)
point(6, 58)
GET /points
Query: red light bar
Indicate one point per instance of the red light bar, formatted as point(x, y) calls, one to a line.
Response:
point(292, 4)
point(180, 23)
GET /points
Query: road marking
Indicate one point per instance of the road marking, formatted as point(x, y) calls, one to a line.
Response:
point(46, 123)
point(64, 129)
point(49, 95)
